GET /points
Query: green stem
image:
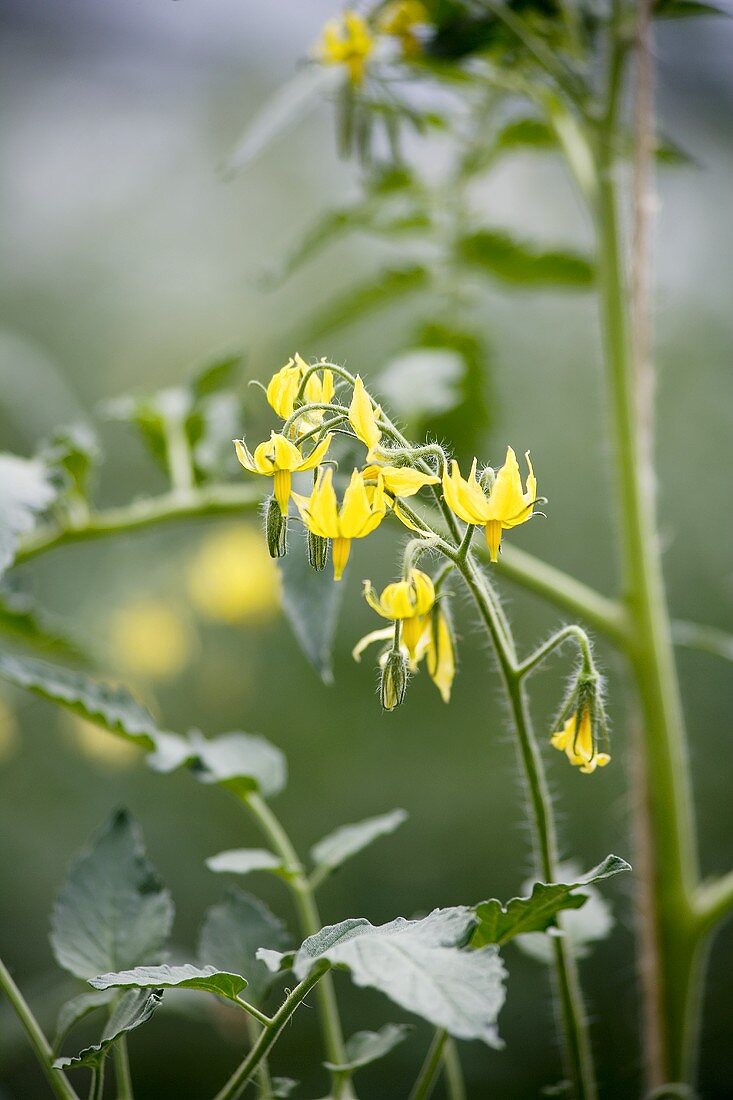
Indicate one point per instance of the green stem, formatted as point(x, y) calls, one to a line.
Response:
point(578, 1054)
point(578, 635)
point(56, 1079)
point(263, 1073)
point(310, 923)
point(123, 1077)
point(430, 1070)
point(664, 825)
point(454, 1084)
point(269, 1036)
point(96, 1091)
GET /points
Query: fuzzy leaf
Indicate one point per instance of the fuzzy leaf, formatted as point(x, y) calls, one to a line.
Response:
point(134, 1009)
point(113, 911)
point(77, 1008)
point(21, 620)
point(186, 976)
point(311, 602)
point(499, 254)
point(386, 288)
point(349, 840)
point(26, 491)
point(421, 966)
point(242, 861)
point(369, 1046)
point(538, 912)
point(231, 934)
point(240, 762)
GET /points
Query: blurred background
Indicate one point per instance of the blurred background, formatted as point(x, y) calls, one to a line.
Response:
point(130, 257)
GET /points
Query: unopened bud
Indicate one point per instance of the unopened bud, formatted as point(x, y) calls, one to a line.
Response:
point(394, 680)
point(317, 551)
point(276, 529)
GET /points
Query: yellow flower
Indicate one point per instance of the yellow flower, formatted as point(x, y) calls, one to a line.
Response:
point(231, 577)
point(363, 418)
point(506, 506)
point(285, 383)
point(399, 20)
point(408, 601)
point(578, 744)
point(279, 459)
point(151, 639)
point(440, 657)
point(347, 41)
point(360, 513)
point(399, 481)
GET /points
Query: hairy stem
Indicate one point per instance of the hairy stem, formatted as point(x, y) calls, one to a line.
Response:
point(41, 1047)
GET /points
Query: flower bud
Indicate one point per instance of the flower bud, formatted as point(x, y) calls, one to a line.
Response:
point(394, 680)
point(276, 529)
point(317, 551)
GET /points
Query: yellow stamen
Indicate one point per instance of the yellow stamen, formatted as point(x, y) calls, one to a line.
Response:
point(341, 550)
point(493, 538)
point(281, 486)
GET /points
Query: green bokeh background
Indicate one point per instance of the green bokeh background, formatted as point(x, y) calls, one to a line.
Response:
point(129, 258)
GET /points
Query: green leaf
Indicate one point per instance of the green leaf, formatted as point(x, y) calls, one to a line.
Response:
point(386, 288)
point(243, 861)
point(420, 965)
point(74, 450)
point(526, 133)
point(26, 491)
point(133, 1010)
point(113, 911)
point(499, 923)
point(77, 1009)
point(686, 9)
point(240, 762)
point(499, 254)
point(231, 934)
point(186, 976)
point(348, 840)
point(369, 1046)
point(22, 621)
point(216, 375)
point(311, 602)
point(114, 708)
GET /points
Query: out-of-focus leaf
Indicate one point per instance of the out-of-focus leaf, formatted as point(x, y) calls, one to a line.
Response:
point(527, 134)
point(243, 861)
point(240, 762)
point(26, 491)
point(385, 288)
point(366, 1047)
point(112, 707)
point(686, 9)
point(538, 912)
point(311, 602)
point(290, 103)
point(214, 376)
point(348, 840)
point(231, 934)
point(468, 420)
point(77, 1009)
point(186, 976)
point(113, 911)
point(21, 620)
point(421, 966)
point(499, 254)
point(422, 382)
point(74, 450)
point(134, 1009)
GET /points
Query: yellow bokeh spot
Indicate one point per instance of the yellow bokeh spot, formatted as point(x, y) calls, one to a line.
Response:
point(149, 638)
point(99, 745)
point(9, 737)
point(232, 578)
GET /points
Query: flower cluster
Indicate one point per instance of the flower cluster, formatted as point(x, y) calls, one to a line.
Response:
point(350, 39)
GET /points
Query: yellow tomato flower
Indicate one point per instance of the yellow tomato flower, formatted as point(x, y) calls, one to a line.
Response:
point(423, 636)
point(363, 418)
point(399, 20)
point(399, 481)
point(279, 459)
point(577, 742)
point(283, 388)
point(151, 639)
point(409, 601)
point(231, 577)
point(360, 513)
point(506, 506)
point(347, 41)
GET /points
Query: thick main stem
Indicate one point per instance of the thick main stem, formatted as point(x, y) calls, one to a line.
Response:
point(310, 923)
point(577, 1050)
point(664, 824)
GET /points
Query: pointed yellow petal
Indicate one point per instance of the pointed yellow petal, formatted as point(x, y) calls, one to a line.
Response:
point(402, 481)
point(244, 456)
point(282, 389)
point(285, 455)
point(382, 635)
point(362, 418)
point(441, 659)
point(316, 455)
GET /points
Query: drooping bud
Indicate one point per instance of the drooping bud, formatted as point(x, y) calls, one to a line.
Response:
point(317, 551)
point(394, 680)
point(582, 725)
point(276, 529)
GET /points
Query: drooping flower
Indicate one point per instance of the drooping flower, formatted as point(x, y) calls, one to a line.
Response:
point(409, 601)
point(506, 506)
point(439, 654)
point(360, 513)
point(399, 19)
point(347, 41)
point(576, 740)
point(363, 419)
point(279, 459)
point(283, 387)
